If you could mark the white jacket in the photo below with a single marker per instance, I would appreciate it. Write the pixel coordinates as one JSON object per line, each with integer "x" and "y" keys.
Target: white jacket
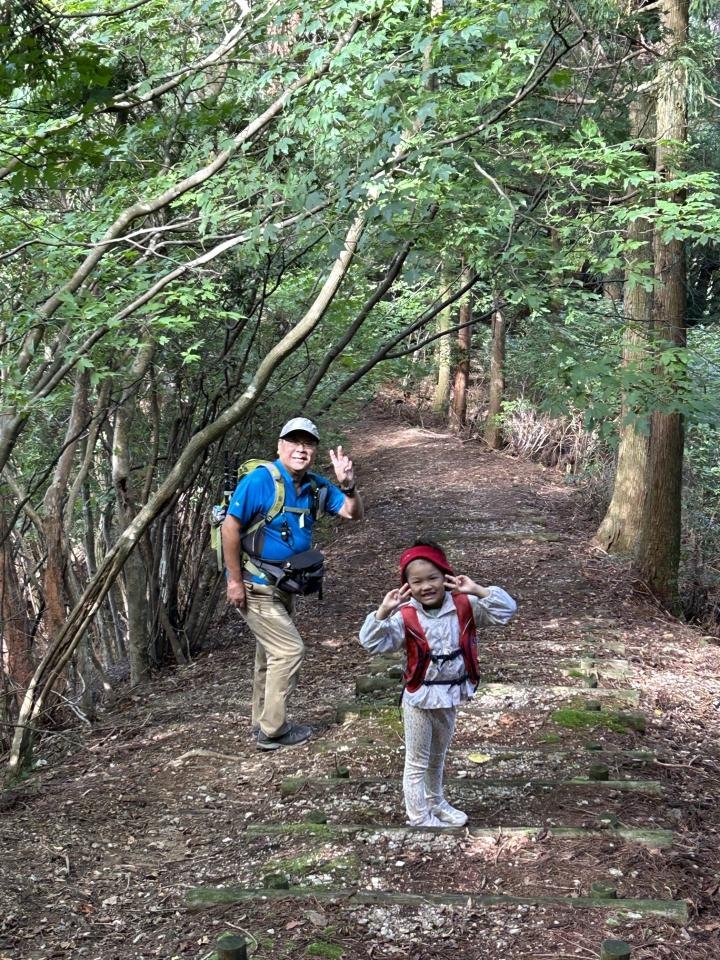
{"x": 442, "y": 629}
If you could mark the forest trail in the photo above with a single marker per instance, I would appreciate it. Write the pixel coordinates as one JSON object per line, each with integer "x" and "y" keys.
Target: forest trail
{"x": 162, "y": 826}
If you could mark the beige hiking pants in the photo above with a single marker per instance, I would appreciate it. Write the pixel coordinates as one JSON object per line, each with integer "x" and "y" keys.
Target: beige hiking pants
{"x": 279, "y": 653}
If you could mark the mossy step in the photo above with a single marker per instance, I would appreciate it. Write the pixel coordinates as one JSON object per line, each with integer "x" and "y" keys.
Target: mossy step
{"x": 344, "y": 708}
{"x": 387, "y": 675}
{"x": 292, "y": 785}
{"x": 491, "y": 753}
{"x": 386, "y": 710}
{"x": 587, "y": 666}
{"x": 657, "y": 839}
{"x": 597, "y": 651}
{"x": 315, "y": 861}
{"x": 202, "y": 897}
{"x": 590, "y": 715}
{"x": 381, "y": 665}
{"x": 376, "y": 683}
{"x": 509, "y": 689}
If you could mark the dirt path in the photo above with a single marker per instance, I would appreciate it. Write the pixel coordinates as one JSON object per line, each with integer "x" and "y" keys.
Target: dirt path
{"x": 117, "y": 845}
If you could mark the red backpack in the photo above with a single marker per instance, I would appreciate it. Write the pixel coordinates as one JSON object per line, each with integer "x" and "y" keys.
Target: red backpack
{"x": 418, "y": 648}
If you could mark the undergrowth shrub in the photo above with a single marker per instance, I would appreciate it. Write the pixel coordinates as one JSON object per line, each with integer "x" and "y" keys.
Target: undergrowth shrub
{"x": 700, "y": 577}
{"x": 561, "y": 442}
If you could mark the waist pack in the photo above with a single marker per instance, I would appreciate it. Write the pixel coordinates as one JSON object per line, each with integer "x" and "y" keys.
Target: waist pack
{"x": 302, "y": 573}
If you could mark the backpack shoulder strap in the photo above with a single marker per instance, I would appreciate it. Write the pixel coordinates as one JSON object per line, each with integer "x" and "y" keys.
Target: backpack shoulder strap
{"x": 465, "y": 614}
{"x": 253, "y": 536}
{"x": 468, "y": 633}
{"x": 319, "y": 491}
{"x": 279, "y": 498}
{"x": 417, "y": 649}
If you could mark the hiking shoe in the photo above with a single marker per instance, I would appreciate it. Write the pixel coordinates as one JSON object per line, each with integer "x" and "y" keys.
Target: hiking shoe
{"x": 450, "y": 816}
{"x": 292, "y": 737}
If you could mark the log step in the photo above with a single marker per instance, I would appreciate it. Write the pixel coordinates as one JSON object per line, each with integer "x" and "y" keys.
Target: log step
{"x": 507, "y": 690}
{"x": 292, "y": 785}
{"x": 589, "y": 749}
{"x": 201, "y": 897}
{"x": 511, "y": 689}
{"x": 656, "y": 839}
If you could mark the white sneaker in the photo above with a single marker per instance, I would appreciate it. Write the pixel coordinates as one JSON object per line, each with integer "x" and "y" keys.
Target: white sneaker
{"x": 429, "y": 821}
{"x": 448, "y": 815}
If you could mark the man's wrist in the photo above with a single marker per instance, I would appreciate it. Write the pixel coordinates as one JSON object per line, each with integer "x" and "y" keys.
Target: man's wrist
{"x": 350, "y": 491}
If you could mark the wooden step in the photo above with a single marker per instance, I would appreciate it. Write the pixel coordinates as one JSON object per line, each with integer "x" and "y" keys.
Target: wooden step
{"x": 346, "y": 708}
{"x": 380, "y": 682}
{"x": 511, "y": 689}
{"x": 585, "y": 753}
{"x": 292, "y": 785}
{"x": 203, "y": 897}
{"x": 656, "y": 839}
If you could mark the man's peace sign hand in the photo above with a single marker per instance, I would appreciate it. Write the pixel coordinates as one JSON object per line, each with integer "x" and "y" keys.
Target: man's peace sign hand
{"x": 343, "y": 467}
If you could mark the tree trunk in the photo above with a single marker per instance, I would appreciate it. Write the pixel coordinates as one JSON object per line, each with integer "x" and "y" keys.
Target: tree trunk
{"x": 91, "y": 566}
{"x": 658, "y": 554}
{"x": 16, "y": 649}
{"x": 57, "y": 601}
{"x": 493, "y": 432}
{"x": 134, "y": 571}
{"x": 619, "y": 531}
{"x": 441, "y": 397}
{"x": 115, "y": 597}
{"x": 462, "y": 368}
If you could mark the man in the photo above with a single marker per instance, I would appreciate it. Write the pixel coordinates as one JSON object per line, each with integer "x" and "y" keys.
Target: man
{"x": 267, "y": 609}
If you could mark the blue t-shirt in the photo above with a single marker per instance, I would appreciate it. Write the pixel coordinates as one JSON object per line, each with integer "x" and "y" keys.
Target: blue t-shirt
{"x": 255, "y": 494}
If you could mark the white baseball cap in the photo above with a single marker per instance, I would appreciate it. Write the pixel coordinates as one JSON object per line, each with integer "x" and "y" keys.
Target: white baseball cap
{"x": 300, "y": 425}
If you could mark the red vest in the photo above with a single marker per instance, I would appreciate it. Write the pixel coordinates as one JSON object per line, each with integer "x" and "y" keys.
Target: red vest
{"x": 418, "y": 648}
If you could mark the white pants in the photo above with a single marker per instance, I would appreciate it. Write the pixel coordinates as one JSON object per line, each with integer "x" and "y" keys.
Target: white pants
{"x": 427, "y": 738}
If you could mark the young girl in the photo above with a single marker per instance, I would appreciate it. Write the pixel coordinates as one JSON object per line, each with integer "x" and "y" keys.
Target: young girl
{"x": 433, "y": 616}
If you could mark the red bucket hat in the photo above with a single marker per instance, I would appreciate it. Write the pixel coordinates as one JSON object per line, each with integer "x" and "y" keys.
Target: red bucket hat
{"x": 422, "y": 552}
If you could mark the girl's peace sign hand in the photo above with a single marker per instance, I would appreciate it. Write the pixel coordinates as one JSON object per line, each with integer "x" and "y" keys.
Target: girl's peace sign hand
{"x": 460, "y": 583}
{"x": 463, "y": 584}
{"x": 392, "y": 601}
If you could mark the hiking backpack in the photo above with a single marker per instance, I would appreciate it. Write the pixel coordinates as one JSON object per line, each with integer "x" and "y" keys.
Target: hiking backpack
{"x": 300, "y": 573}
{"x": 419, "y": 655}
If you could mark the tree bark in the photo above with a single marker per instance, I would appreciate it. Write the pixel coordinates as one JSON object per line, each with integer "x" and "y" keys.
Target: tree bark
{"x": 91, "y": 567}
{"x": 441, "y": 397}
{"x": 135, "y": 573}
{"x": 493, "y": 431}
{"x": 16, "y": 648}
{"x": 619, "y": 531}
{"x": 57, "y": 601}
{"x": 462, "y": 368}
{"x": 657, "y": 559}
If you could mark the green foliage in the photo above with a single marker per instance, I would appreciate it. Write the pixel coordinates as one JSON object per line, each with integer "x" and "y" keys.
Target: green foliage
{"x": 482, "y": 135}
